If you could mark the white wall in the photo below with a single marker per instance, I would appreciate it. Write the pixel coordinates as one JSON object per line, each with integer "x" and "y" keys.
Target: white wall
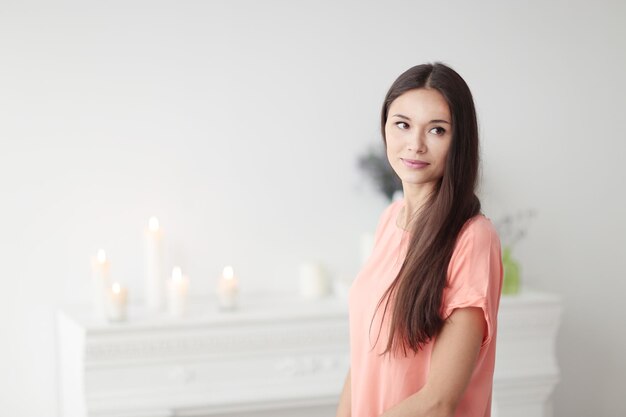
{"x": 239, "y": 124}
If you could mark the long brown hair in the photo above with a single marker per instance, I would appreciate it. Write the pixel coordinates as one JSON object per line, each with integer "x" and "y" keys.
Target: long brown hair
{"x": 417, "y": 291}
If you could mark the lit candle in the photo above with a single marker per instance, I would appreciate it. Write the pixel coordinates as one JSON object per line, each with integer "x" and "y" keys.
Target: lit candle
{"x": 117, "y": 300}
{"x": 228, "y": 289}
{"x": 314, "y": 281}
{"x": 100, "y": 283}
{"x": 154, "y": 278}
{"x": 178, "y": 287}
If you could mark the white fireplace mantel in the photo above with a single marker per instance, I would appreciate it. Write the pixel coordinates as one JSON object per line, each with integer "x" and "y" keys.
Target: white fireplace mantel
{"x": 278, "y": 355}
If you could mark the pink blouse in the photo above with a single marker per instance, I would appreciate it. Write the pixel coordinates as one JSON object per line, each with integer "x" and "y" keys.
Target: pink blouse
{"x": 474, "y": 279}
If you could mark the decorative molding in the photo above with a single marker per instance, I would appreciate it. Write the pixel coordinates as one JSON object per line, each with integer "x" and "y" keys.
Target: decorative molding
{"x": 164, "y": 346}
{"x": 291, "y": 361}
{"x": 308, "y": 365}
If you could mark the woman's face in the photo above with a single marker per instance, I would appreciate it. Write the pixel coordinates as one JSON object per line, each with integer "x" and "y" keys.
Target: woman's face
{"x": 418, "y": 133}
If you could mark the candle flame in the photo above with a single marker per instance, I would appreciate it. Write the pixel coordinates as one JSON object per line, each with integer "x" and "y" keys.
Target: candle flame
{"x": 116, "y": 287}
{"x": 102, "y": 256}
{"x": 177, "y": 273}
{"x": 229, "y": 273}
{"x": 153, "y": 224}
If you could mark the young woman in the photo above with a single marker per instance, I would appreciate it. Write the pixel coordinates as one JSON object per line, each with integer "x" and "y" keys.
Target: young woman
{"x": 423, "y": 309}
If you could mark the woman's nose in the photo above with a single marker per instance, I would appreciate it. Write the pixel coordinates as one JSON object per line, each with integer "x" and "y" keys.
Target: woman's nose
{"x": 418, "y": 143}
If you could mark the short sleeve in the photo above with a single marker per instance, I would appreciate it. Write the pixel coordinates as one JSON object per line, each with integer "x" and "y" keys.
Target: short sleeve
{"x": 475, "y": 272}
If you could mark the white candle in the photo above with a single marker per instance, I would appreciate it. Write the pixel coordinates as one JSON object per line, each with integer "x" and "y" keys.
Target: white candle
{"x": 117, "y": 300}
{"x": 178, "y": 288}
{"x": 228, "y": 289}
{"x": 314, "y": 281}
{"x": 154, "y": 277}
{"x": 100, "y": 267}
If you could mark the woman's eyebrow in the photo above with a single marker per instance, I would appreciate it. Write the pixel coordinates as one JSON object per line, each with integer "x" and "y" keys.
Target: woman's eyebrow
{"x": 432, "y": 121}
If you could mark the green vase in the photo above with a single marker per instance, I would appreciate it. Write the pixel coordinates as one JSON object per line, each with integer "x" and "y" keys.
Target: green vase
{"x": 511, "y": 280}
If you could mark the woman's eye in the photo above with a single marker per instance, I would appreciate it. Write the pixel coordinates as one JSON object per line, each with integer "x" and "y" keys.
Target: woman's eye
{"x": 402, "y": 125}
{"x": 439, "y": 130}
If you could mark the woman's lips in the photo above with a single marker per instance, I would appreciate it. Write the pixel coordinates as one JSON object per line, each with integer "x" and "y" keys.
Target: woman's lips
{"x": 414, "y": 164}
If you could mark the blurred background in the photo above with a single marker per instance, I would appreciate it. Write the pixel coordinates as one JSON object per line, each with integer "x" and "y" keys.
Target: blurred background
{"x": 240, "y": 123}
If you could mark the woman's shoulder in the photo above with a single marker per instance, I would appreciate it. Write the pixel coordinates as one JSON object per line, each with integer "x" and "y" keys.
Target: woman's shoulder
{"x": 477, "y": 247}
{"x": 393, "y": 207}
{"x": 479, "y": 227}
{"x": 387, "y": 218}
{"x": 389, "y": 211}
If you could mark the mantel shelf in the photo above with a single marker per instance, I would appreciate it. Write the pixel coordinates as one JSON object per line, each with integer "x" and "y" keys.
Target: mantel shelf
{"x": 275, "y": 352}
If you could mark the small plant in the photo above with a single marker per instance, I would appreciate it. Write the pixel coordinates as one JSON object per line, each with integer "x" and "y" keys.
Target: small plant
{"x": 512, "y": 229}
{"x": 375, "y": 164}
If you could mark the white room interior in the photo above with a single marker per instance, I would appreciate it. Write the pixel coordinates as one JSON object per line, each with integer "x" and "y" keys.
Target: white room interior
{"x": 239, "y": 124}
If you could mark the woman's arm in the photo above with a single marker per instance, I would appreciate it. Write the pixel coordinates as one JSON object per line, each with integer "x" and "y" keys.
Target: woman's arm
{"x": 344, "y": 409}
{"x": 452, "y": 362}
